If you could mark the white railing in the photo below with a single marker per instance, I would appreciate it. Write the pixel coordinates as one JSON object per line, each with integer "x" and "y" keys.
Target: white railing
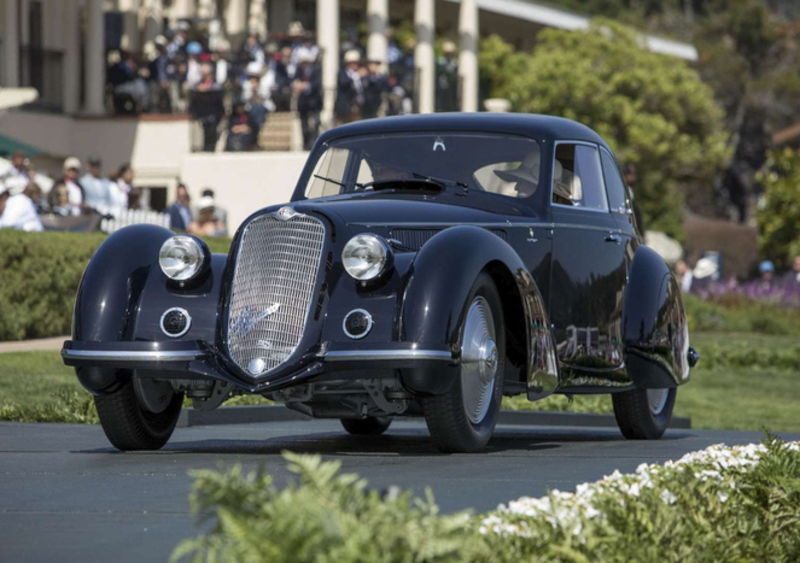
{"x": 134, "y": 217}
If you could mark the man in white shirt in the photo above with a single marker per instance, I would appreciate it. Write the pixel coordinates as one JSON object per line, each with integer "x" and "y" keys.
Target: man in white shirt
{"x": 17, "y": 212}
{"x": 72, "y": 168}
{"x": 96, "y": 187}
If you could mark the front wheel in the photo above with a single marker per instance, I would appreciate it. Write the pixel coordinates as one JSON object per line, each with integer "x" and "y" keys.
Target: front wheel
{"x": 463, "y": 418}
{"x": 140, "y": 419}
{"x": 644, "y": 414}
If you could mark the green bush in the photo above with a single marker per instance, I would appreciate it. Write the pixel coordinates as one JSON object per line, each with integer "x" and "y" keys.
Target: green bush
{"x": 39, "y": 277}
{"x": 779, "y": 216}
{"x": 740, "y": 503}
{"x": 325, "y": 516}
{"x": 735, "y": 313}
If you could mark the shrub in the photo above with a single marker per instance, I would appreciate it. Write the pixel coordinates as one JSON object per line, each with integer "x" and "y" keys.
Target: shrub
{"x": 736, "y": 313}
{"x": 325, "y": 516}
{"x": 721, "y": 503}
{"x": 39, "y": 277}
{"x": 779, "y": 216}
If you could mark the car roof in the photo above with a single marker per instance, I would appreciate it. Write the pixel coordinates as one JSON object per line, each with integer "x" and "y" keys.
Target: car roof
{"x": 530, "y": 125}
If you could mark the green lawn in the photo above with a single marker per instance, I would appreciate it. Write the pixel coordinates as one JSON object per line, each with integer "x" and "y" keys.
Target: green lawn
{"x": 744, "y": 381}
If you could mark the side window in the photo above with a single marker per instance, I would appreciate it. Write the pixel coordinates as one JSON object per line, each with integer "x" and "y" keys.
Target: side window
{"x": 328, "y": 174}
{"x": 577, "y": 177}
{"x": 617, "y": 196}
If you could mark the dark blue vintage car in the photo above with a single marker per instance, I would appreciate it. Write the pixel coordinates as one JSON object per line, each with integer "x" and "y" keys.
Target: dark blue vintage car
{"x": 426, "y": 264}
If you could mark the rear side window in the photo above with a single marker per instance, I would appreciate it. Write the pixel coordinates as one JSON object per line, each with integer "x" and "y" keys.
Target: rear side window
{"x": 617, "y": 198}
{"x": 577, "y": 177}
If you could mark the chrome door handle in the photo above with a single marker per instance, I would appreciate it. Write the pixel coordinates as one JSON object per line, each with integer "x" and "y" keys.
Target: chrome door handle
{"x": 613, "y": 237}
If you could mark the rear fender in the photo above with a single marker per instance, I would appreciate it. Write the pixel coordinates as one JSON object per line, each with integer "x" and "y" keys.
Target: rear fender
{"x": 654, "y": 328}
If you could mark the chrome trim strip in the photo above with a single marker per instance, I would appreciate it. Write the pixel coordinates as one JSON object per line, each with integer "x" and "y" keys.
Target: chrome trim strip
{"x": 132, "y": 355}
{"x": 347, "y": 355}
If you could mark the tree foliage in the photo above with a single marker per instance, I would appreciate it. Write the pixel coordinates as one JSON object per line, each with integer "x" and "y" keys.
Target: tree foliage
{"x": 779, "y": 215}
{"x": 654, "y": 110}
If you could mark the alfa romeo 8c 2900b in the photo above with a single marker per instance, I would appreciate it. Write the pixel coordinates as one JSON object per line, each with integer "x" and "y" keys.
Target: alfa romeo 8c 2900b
{"x": 425, "y": 265}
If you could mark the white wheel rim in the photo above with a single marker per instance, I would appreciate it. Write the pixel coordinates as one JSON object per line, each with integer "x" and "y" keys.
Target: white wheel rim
{"x": 657, "y": 399}
{"x": 478, "y": 360}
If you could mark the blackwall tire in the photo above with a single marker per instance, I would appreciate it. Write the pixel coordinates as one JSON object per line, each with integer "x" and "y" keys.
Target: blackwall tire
{"x": 130, "y": 426}
{"x": 644, "y": 414}
{"x": 370, "y": 426}
{"x": 463, "y": 418}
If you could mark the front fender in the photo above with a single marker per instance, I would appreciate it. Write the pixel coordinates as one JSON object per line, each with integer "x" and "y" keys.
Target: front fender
{"x": 654, "y": 328}
{"x": 123, "y": 294}
{"x": 443, "y": 274}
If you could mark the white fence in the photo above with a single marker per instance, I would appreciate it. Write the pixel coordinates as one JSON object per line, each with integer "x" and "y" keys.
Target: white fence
{"x": 134, "y": 217}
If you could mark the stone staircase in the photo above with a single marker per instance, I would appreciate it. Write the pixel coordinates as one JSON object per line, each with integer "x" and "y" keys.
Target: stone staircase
{"x": 278, "y": 131}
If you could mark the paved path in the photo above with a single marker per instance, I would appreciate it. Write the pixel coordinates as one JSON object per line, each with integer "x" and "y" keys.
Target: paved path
{"x": 66, "y": 495}
{"x": 54, "y": 343}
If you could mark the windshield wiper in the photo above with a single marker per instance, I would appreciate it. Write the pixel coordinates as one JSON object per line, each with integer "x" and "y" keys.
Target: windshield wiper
{"x": 442, "y": 181}
{"x": 418, "y": 180}
{"x": 331, "y": 180}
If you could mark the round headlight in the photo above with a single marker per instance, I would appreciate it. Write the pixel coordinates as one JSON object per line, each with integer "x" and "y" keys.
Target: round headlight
{"x": 366, "y": 256}
{"x": 181, "y": 258}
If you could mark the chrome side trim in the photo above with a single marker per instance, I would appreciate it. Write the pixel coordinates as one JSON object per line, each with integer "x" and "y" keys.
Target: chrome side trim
{"x": 350, "y": 355}
{"x": 132, "y": 355}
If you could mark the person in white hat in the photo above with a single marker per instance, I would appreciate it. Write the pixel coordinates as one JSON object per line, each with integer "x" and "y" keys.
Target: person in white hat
{"x": 349, "y": 89}
{"x": 525, "y": 176}
{"x": 17, "y": 211}
{"x": 72, "y": 169}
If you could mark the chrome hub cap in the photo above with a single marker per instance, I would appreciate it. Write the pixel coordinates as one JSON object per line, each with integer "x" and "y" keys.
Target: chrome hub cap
{"x": 478, "y": 360}
{"x": 657, "y": 398}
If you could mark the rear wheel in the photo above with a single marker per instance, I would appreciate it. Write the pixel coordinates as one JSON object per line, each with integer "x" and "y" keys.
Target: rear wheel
{"x": 463, "y": 418}
{"x": 139, "y": 415}
{"x": 644, "y": 414}
{"x": 372, "y": 425}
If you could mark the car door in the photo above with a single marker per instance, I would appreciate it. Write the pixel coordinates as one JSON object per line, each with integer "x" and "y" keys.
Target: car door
{"x": 588, "y": 267}
{"x": 620, "y": 201}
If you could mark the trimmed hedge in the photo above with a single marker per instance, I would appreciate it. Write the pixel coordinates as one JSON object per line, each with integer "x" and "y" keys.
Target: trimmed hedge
{"x": 39, "y": 277}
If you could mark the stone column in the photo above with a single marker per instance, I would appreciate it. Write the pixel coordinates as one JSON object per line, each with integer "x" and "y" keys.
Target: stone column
{"x": 10, "y": 57}
{"x": 71, "y": 64}
{"x": 377, "y": 44}
{"x": 206, "y": 9}
{"x": 257, "y": 18}
{"x": 153, "y": 18}
{"x": 235, "y": 20}
{"x": 424, "y": 59}
{"x": 181, "y": 9}
{"x": 328, "y": 40}
{"x": 94, "y": 59}
{"x": 468, "y": 54}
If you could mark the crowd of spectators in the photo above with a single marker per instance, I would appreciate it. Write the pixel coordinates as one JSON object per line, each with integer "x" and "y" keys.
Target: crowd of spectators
{"x": 188, "y": 71}
{"x": 88, "y": 195}
{"x": 705, "y": 280}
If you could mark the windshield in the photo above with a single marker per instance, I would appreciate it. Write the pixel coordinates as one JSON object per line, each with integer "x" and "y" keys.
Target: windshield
{"x": 500, "y": 164}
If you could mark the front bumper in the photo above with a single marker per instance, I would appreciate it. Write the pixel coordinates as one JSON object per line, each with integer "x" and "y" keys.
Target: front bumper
{"x": 198, "y": 359}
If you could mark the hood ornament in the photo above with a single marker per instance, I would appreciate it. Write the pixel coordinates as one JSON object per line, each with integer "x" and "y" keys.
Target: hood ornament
{"x": 286, "y": 213}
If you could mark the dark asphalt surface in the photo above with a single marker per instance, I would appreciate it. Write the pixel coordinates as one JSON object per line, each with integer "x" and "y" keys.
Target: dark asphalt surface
{"x": 66, "y": 495}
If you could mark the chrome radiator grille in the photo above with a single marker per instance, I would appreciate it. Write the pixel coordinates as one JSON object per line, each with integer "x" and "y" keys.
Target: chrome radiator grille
{"x": 273, "y": 290}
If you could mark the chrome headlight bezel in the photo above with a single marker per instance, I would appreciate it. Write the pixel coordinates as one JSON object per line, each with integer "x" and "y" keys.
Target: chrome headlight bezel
{"x": 183, "y": 258}
{"x": 367, "y": 257}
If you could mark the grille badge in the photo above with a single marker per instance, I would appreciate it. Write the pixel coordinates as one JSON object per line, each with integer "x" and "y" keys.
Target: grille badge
{"x": 285, "y": 213}
{"x": 248, "y": 318}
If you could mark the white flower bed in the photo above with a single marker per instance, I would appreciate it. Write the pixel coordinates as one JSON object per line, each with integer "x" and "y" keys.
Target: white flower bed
{"x": 718, "y": 466}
